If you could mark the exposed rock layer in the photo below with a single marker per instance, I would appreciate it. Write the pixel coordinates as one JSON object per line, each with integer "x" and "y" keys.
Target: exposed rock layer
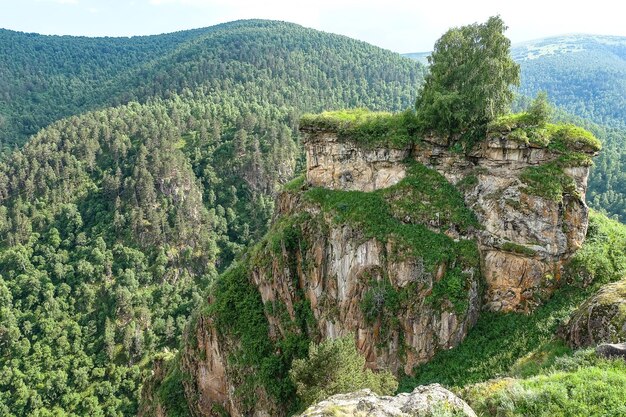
{"x": 332, "y": 270}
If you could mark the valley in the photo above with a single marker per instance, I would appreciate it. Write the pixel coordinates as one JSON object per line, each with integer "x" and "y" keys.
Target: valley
{"x": 184, "y": 217}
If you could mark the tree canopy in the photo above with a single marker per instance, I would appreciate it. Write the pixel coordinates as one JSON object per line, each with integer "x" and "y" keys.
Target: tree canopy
{"x": 470, "y": 79}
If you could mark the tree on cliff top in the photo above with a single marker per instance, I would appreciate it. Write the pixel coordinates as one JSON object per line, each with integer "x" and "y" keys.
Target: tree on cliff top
{"x": 470, "y": 79}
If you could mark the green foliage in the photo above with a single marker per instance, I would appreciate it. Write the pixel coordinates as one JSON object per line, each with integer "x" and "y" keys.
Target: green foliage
{"x": 45, "y": 78}
{"x": 451, "y": 287}
{"x": 113, "y": 222}
{"x": 570, "y": 137}
{"x": 580, "y": 385}
{"x": 374, "y": 213}
{"x": 586, "y": 80}
{"x": 548, "y": 181}
{"x": 540, "y": 111}
{"x": 380, "y": 300}
{"x": 239, "y": 313}
{"x": 573, "y": 143}
{"x": 602, "y": 258}
{"x": 424, "y": 196}
{"x": 333, "y": 367}
{"x": 565, "y": 138}
{"x": 171, "y": 391}
{"x": 295, "y": 184}
{"x": 501, "y": 344}
{"x": 368, "y": 129}
{"x": 515, "y": 248}
{"x": 470, "y": 79}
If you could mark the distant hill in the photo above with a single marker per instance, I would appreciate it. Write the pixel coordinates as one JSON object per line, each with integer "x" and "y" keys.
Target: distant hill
{"x": 583, "y": 74}
{"x": 44, "y": 78}
{"x": 421, "y": 57}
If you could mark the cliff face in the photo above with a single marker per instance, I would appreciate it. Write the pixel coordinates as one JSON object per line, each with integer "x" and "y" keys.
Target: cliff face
{"x": 339, "y": 281}
{"x": 399, "y": 245}
{"x": 526, "y": 236}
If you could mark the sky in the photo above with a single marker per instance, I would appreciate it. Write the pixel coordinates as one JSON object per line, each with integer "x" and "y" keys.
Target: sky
{"x": 402, "y": 26}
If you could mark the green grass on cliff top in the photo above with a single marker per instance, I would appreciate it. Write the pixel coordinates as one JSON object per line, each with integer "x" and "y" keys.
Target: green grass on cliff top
{"x": 401, "y": 130}
{"x": 561, "y": 137}
{"x": 369, "y": 129}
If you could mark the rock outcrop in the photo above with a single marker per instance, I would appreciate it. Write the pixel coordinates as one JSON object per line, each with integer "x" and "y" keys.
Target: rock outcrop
{"x": 526, "y": 237}
{"x": 349, "y": 283}
{"x": 601, "y": 319}
{"x": 377, "y": 242}
{"x": 340, "y": 165}
{"x": 428, "y": 400}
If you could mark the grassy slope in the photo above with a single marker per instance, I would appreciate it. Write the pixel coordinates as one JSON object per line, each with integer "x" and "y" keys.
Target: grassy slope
{"x": 551, "y": 379}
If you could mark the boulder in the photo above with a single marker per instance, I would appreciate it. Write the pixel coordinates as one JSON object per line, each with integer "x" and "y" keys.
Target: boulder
{"x": 426, "y": 400}
{"x": 612, "y": 350}
{"x": 601, "y": 319}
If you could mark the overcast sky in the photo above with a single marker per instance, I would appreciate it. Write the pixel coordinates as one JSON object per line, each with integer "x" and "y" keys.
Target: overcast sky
{"x": 402, "y": 26}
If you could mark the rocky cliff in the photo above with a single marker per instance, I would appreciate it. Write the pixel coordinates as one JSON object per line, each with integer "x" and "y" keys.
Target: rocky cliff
{"x": 399, "y": 241}
{"x": 529, "y": 198}
{"x": 319, "y": 275}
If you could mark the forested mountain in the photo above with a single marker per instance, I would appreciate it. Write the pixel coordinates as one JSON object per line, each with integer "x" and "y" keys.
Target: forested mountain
{"x": 585, "y": 77}
{"x": 44, "y": 78}
{"x": 113, "y": 222}
{"x": 583, "y": 74}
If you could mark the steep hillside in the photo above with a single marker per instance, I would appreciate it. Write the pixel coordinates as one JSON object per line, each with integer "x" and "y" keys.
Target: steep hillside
{"x": 112, "y": 222}
{"x": 44, "y": 78}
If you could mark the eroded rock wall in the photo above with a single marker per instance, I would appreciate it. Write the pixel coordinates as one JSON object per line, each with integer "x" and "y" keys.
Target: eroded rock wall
{"x": 339, "y": 165}
{"x": 331, "y": 270}
{"x": 338, "y": 269}
{"x": 525, "y": 238}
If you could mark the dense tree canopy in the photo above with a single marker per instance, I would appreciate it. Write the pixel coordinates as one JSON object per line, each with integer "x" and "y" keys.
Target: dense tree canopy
{"x": 44, "y": 78}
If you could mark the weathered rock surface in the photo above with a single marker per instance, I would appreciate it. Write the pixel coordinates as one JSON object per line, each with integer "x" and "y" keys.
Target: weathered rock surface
{"x": 601, "y": 319}
{"x": 339, "y": 165}
{"x": 428, "y": 400}
{"x": 612, "y": 350}
{"x": 341, "y": 268}
{"x": 526, "y": 239}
